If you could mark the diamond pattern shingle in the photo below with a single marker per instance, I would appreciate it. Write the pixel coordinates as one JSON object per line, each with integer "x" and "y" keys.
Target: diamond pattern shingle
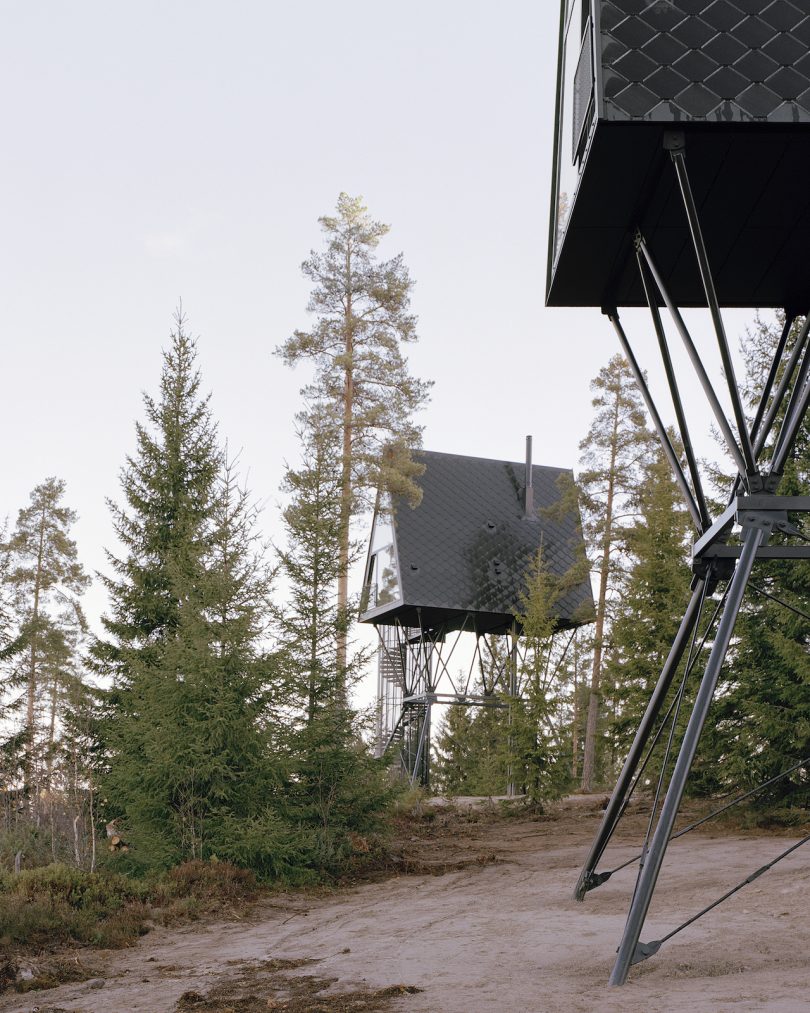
{"x": 724, "y": 49}
{"x": 467, "y": 546}
{"x": 739, "y": 59}
{"x": 693, "y": 32}
{"x": 802, "y": 32}
{"x": 722, "y": 15}
{"x": 756, "y": 66}
{"x": 785, "y": 49}
{"x": 783, "y": 16}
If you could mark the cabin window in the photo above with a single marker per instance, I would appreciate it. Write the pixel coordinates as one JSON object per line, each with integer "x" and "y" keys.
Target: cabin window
{"x": 381, "y": 585}
{"x": 576, "y": 108}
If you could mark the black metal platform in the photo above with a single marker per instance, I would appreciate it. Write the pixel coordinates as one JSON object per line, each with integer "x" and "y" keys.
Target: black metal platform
{"x": 734, "y": 76}
{"x": 751, "y": 187}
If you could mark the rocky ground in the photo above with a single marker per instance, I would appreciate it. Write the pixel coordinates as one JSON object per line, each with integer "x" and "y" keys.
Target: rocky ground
{"x": 480, "y": 917}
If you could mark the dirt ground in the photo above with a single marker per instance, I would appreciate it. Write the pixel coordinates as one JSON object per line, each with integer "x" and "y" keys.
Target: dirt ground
{"x": 482, "y": 918}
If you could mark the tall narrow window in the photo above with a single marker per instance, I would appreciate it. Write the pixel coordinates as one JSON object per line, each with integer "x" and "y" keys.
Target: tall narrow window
{"x": 575, "y": 112}
{"x": 382, "y": 576}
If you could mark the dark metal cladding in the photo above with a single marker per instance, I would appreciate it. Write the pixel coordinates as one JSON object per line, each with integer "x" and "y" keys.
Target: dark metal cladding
{"x": 734, "y": 75}
{"x": 721, "y": 61}
{"x": 465, "y": 550}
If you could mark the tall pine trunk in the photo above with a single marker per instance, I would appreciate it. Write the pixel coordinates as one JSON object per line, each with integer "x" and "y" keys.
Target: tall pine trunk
{"x": 575, "y": 715}
{"x": 589, "y": 750}
{"x": 30, "y": 717}
{"x": 345, "y": 493}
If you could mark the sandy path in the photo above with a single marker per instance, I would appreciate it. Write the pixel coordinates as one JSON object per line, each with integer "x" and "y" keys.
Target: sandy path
{"x": 507, "y": 936}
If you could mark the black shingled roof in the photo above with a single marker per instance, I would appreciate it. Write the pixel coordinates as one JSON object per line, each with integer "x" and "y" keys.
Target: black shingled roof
{"x": 464, "y": 551}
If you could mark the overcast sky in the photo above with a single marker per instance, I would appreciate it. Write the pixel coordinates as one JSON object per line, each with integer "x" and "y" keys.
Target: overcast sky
{"x": 159, "y": 151}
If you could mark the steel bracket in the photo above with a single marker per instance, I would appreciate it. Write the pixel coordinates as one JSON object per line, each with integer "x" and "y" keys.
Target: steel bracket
{"x": 593, "y": 879}
{"x": 763, "y": 510}
{"x": 767, "y": 520}
{"x": 644, "y": 950}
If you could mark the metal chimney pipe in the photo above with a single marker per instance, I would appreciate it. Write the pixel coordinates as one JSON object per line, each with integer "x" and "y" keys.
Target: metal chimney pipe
{"x": 529, "y": 499}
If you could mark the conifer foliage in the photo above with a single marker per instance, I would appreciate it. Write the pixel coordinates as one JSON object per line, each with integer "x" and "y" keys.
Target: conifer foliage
{"x": 653, "y": 594}
{"x": 310, "y": 622}
{"x": 185, "y": 736}
{"x": 44, "y": 581}
{"x": 613, "y": 451}
{"x": 761, "y": 716}
{"x": 364, "y": 391}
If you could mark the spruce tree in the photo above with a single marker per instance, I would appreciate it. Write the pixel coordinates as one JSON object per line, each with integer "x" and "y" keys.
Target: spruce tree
{"x": 310, "y": 622}
{"x": 652, "y": 597}
{"x": 361, "y": 375}
{"x": 538, "y": 729}
{"x": 185, "y": 732}
{"x": 761, "y": 715}
{"x": 451, "y": 768}
{"x": 472, "y": 753}
{"x": 336, "y": 789}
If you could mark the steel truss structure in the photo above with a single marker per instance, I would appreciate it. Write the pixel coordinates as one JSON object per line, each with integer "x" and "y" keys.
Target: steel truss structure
{"x": 760, "y": 453}
{"x": 414, "y": 673}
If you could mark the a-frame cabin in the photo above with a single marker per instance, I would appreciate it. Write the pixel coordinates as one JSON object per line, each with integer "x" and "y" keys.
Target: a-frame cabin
{"x": 458, "y": 562}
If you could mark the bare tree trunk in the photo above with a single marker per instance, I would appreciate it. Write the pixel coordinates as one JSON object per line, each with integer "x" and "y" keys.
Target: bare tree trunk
{"x": 575, "y": 716}
{"x": 51, "y": 735}
{"x": 92, "y": 826}
{"x": 313, "y": 647}
{"x": 76, "y": 852}
{"x": 345, "y": 491}
{"x": 589, "y": 751}
{"x": 32, "y": 662}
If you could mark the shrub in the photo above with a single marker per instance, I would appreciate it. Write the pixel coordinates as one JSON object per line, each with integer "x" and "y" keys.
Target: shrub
{"x": 57, "y": 905}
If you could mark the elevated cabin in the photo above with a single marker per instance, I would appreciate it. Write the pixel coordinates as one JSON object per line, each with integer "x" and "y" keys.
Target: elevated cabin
{"x": 732, "y": 78}
{"x": 459, "y": 559}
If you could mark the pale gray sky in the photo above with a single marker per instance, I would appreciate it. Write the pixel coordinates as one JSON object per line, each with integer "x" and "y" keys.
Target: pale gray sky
{"x": 158, "y": 151}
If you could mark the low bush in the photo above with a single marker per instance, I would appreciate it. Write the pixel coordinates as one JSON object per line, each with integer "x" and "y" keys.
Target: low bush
{"x": 57, "y": 905}
{"x": 195, "y": 888}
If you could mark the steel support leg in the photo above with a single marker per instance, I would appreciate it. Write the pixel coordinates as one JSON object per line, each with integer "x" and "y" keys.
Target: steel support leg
{"x": 629, "y": 950}
{"x": 679, "y": 161}
{"x": 645, "y": 728}
{"x": 796, "y": 411}
{"x": 658, "y": 425}
{"x": 511, "y": 787}
{"x": 697, "y": 362}
{"x": 677, "y": 403}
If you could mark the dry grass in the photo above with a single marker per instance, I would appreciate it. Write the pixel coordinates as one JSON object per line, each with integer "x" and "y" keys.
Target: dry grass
{"x": 46, "y": 912}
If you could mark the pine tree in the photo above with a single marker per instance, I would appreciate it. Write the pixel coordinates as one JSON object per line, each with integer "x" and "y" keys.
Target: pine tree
{"x": 612, "y": 453}
{"x": 361, "y": 379}
{"x": 185, "y": 729}
{"x": 11, "y": 641}
{"x": 47, "y": 581}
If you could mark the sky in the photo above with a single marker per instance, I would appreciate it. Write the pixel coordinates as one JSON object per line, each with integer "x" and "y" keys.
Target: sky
{"x": 158, "y": 152}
